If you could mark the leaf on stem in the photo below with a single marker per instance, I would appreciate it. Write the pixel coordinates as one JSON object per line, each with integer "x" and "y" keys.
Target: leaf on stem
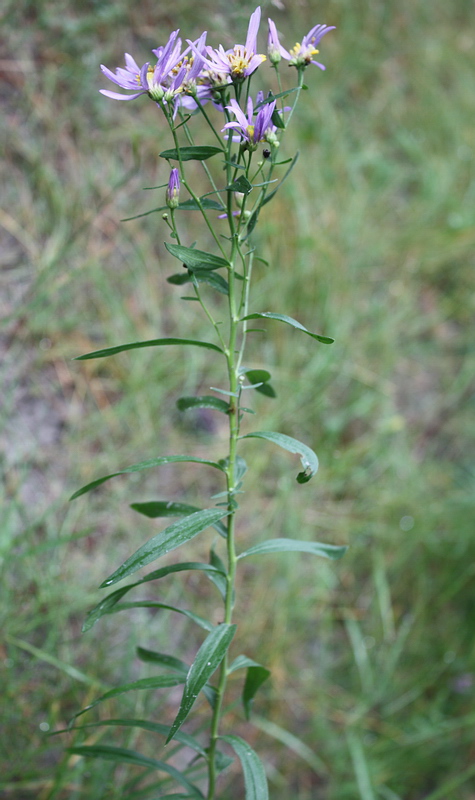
{"x": 165, "y": 508}
{"x": 289, "y": 321}
{"x": 296, "y": 546}
{"x": 192, "y": 153}
{"x": 292, "y": 165}
{"x": 122, "y": 755}
{"x": 260, "y": 376}
{"x": 155, "y": 727}
{"x": 255, "y": 780}
{"x": 241, "y": 184}
{"x": 160, "y": 682}
{"x": 109, "y": 602}
{"x": 212, "y": 279}
{"x": 201, "y": 621}
{"x": 256, "y": 675}
{"x": 152, "y": 657}
{"x": 172, "y": 537}
{"x": 151, "y": 462}
{"x": 307, "y": 456}
{"x": 203, "y": 401}
{"x": 193, "y": 258}
{"x": 208, "y": 659}
{"x": 204, "y": 202}
{"x": 121, "y": 348}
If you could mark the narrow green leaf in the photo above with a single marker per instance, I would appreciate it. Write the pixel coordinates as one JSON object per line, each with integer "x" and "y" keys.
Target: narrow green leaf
{"x": 160, "y": 682}
{"x": 165, "y": 508}
{"x": 255, "y": 677}
{"x": 255, "y": 780}
{"x": 219, "y": 579}
{"x": 195, "y": 153}
{"x": 154, "y": 727}
{"x": 121, "y": 348}
{"x": 292, "y": 165}
{"x": 257, "y": 375}
{"x": 241, "y": 184}
{"x": 172, "y": 537}
{"x": 145, "y": 213}
{"x": 252, "y": 222}
{"x": 120, "y": 754}
{"x": 201, "y": 621}
{"x": 277, "y": 119}
{"x": 152, "y": 657}
{"x": 307, "y": 456}
{"x": 270, "y": 97}
{"x": 151, "y": 462}
{"x": 289, "y": 321}
{"x": 108, "y": 602}
{"x": 260, "y": 376}
{"x": 193, "y": 205}
{"x": 266, "y": 389}
{"x": 207, "y": 660}
{"x": 295, "y": 546}
{"x": 193, "y": 258}
{"x": 212, "y": 279}
{"x": 204, "y": 401}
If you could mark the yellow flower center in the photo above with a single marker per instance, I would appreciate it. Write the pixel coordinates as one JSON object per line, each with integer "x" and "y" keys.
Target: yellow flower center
{"x": 239, "y": 60}
{"x": 250, "y": 131}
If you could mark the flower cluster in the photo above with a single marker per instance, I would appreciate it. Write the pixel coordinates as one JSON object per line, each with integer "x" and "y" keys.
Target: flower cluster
{"x": 192, "y": 76}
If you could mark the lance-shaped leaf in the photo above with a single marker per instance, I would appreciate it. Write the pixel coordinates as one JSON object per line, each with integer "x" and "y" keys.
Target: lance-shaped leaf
{"x": 165, "y": 660}
{"x": 121, "y": 348}
{"x": 121, "y": 755}
{"x": 187, "y": 205}
{"x": 256, "y": 675}
{"x": 212, "y": 279}
{"x": 307, "y": 456}
{"x": 204, "y": 401}
{"x": 255, "y": 781}
{"x": 172, "y": 537}
{"x": 207, "y": 660}
{"x": 160, "y": 682}
{"x": 201, "y": 621}
{"x": 165, "y": 508}
{"x": 179, "y": 666}
{"x": 289, "y": 321}
{"x": 192, "y": 153}
{"x": 241, "y": 184}
{"x": 193, "y": 259}
{"x": 151, "y": 462}
{"x": 105, "y": 606}
{"x": 262, "y": 377}
{"x": 154, "y": 727}
{"x": 292, "y": 165}
{"x": 296, "y": 546}
{"x": 196, "y": 205}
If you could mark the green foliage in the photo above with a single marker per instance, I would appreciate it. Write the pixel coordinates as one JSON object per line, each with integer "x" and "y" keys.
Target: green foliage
{"x": 379, "y": 218}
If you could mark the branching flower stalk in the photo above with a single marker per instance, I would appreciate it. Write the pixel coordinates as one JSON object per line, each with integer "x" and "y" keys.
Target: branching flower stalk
{"x": 215, "y": 84}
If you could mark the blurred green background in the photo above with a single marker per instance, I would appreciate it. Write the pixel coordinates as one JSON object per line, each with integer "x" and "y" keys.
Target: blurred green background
{"x": 371, "y": 241}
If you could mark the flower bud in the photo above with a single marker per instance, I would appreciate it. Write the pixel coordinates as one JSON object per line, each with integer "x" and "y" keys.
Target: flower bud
{"x": 173, "y": 189}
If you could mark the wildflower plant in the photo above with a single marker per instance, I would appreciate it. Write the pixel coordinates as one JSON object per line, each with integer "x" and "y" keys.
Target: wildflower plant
{"x": 246, "y": 129}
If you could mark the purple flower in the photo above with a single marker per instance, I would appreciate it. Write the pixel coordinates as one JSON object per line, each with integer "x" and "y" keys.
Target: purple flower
{"x": 252, "y": 130}
{"x": 301, "y": 55}
{"x": 129, "y": 78}
{"x": 240, "y": 61}
{"x": 275, "y": 51}
{"x": 173, "y": 189}
{"x": 161, "y": 82}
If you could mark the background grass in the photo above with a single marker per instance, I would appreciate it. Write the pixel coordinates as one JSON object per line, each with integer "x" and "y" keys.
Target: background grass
{"x": 372, "y": 242}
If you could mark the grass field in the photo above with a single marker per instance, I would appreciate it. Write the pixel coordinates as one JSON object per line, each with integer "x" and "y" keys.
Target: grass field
{"x": 372, "y": 658}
